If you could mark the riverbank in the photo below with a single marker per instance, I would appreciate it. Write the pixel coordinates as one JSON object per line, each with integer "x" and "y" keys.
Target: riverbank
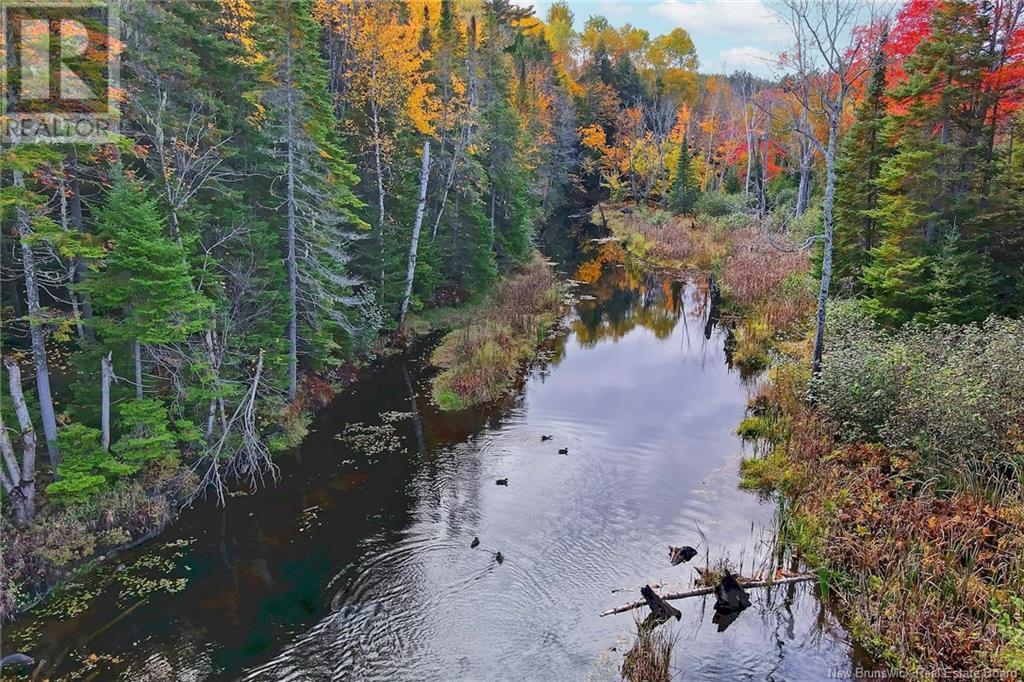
{"x": 65, "y": 542}
{"x": 766, "y": 293}
{"x": 901, "y": 484}
{"x": 490, "y": 340}
{"x": 482, "y": 359}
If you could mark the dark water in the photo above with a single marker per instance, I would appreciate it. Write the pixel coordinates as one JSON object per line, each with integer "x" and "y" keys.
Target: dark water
{"x": 359, "y": 566}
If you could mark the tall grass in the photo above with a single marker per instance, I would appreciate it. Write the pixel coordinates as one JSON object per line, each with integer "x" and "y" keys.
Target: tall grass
{"x": 482, "y": 359}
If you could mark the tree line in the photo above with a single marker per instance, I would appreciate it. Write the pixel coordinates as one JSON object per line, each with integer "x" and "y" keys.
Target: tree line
{"x": 293, "y": 179}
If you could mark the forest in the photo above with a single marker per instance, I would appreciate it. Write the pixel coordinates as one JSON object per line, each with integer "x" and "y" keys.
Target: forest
{"x": 300, "y": 189}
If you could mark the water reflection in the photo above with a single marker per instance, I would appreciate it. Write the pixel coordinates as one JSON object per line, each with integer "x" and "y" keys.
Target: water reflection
{"x": 359, "y": 567}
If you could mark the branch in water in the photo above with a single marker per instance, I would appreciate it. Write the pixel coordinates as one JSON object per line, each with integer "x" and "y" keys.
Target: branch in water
{"x": 701, "y": 591}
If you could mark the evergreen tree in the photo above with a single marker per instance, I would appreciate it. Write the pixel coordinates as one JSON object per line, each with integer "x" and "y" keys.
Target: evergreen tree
{"x": 144, "y": 285}
{"x": 860, "y": 162}
{"x": 683, "y": 192}
{"x": 960, "y": 290}
{"x": 927, "y": 186}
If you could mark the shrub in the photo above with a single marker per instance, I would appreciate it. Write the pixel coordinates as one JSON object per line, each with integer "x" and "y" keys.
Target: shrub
{"x": 86, "y": 468}
{"x": 944, "y": 392}
{"x": 481, "y": 360}
{"x": 717, "y": 204}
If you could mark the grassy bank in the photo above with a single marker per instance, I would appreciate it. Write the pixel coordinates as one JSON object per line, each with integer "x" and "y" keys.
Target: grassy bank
{"x": 901, "y": 486}
{"x": 482, "y": 358}
{"x": 899, "y": 471}
{"x": 767, "y": 297}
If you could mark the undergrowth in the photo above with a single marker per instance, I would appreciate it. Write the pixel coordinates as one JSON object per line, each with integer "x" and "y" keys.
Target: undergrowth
{"x": 482, "y": 359}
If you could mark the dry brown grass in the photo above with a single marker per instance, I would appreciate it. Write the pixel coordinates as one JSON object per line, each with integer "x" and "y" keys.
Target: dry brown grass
{"x": 482, "y": 359}
{"x": 650, "y": 658}
{"x": 918, "y": 572}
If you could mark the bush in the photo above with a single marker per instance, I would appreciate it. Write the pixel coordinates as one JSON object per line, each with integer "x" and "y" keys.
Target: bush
{"x": 716, "y": 204}
{"x": 944, "y": 392}
{"x": 86, "y": 468}
{"x": 481, "y": 361}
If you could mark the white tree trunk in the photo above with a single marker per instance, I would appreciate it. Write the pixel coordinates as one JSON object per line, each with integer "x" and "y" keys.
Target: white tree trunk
{"x": 414, "y": 245}
{"x": 42, "y": 368}
{"x": 22, "y": 485}
{"x": 826, "y": 259}
{"x": 379, "y": 168}
{"x": 293, "y": 311}
{"x": 106, "y": 375}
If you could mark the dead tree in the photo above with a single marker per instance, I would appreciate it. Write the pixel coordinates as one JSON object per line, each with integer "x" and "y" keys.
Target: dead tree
{"x": 826, "y": 70}
{"x": 240, "y": 453}
{"x": 19, "y": 480}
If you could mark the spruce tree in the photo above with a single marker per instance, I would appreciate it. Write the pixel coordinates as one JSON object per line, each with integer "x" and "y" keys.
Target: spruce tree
{"x": 144, "y": 286}
{"x": 927, "y": 185}
{"x": 683, "y": 193}
{"x": 863, "y": 152}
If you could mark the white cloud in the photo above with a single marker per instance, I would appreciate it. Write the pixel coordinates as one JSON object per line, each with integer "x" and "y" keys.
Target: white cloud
{"x": 747, "y": 58}
{"x": 739, "y": 20}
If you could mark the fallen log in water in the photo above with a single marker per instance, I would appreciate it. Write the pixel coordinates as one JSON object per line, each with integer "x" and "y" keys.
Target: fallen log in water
{"x": 700, "y": 591}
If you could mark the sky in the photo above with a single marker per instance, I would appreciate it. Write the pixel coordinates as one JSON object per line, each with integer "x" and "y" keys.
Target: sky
{"x": 728, "y": 34}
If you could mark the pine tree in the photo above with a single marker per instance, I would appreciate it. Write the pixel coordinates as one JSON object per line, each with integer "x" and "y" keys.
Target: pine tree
{"x": 927, "y": 185}
{"x": 317, "y": 182}
{"x": 683, "y": 192}
{"x": 961, "y": 286}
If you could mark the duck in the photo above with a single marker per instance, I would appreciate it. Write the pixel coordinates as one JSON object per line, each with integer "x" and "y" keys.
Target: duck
{"x": 563, "y": 451}
{"x": 544, "y": 438}
{"x": 475, "y": 543}
{"x": 501, "y": 481}
{"x": 499, "y": 558}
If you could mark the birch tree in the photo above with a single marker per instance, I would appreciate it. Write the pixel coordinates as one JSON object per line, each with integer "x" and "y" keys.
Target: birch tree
{"x": 18, "y": 479}
{"x": 826, "y": 71}
{"x": 414, "y": 245}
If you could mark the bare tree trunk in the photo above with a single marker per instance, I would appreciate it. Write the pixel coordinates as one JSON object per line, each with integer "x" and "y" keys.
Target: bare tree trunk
{"x": 803, "y": 196}
{"x": 42, "y": 368}
{"x": 137, "y": 352}
{"x": 73, "y": 267}
{"x": 21, "y": 487}
{"x": 414, "y": 245}
{"x": 106, "y": 374}
{"x": 375, "y": 115}
{"x": 293, "y": 311}
{"x": 75, "y": 216}
{"x": 826, "y": 259}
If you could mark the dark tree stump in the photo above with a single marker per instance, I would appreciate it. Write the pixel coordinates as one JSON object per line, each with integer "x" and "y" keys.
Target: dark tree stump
{"x": 659, "y": 606}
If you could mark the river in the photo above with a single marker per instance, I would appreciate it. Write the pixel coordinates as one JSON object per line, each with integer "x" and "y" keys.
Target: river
{"x": 357, "y": 564}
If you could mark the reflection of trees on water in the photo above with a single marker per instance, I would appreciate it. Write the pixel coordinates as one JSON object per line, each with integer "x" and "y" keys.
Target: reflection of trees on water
{"x": 625, "y": 297}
